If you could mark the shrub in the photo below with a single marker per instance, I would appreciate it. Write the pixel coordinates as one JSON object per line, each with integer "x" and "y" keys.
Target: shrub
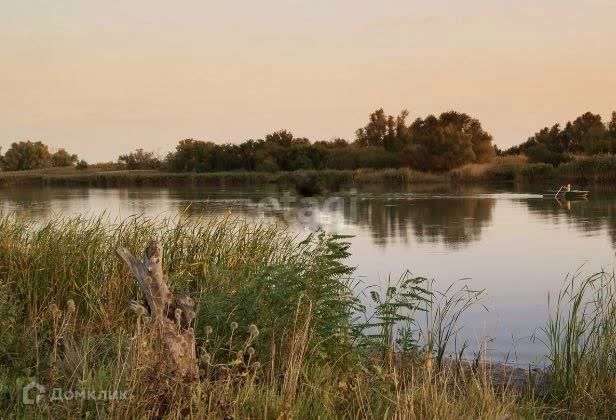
{"x": 535, "y": 172}
{"x": 593, "y": 169}
{"x": 139, "y": 159}
{"x": 82, "y": 165}
{"x": 62, "y": 158}
{"x": 540, "y": 153}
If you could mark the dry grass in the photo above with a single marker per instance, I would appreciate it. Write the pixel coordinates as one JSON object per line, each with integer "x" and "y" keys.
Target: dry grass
{"x": 65, "y": 325}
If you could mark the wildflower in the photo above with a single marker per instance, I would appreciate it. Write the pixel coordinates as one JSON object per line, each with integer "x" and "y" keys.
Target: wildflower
{"x": 178, "y": 315}
{"x": 253, "y": 330}
{"x": 70, "y": 306}
{"x": 250, "y": 351}
{"x": 208, "y": 330}
{"x": 256, "y": 365}
{"x": 234, "y": 325}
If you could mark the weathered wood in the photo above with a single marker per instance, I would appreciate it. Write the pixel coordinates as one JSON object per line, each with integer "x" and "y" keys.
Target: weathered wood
{"x": 170, "y": 315}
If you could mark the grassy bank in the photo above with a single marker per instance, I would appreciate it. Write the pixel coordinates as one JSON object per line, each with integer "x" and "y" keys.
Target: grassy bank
{"x": 598, "y": 170}
{"x": 276, "y": 328}
{"x": 325, "y": 179}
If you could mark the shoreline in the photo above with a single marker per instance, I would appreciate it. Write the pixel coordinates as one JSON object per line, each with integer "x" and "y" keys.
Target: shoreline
{"x": 598, "y": 170}
{"x": 84, "y": 339}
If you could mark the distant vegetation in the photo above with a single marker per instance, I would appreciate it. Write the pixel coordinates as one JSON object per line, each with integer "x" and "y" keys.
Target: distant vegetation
{"x": 26, "y": 155}
{"x": 450, "y": 147}
{"x": 431, "y": 144}
{"x": 139, "y": 159}
{"x": 586, "y": 135}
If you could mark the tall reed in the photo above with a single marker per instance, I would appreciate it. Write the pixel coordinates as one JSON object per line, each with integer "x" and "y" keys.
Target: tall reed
{"x": 581, "y": 339}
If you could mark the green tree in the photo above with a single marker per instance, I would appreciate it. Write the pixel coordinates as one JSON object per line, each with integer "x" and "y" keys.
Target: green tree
{"x": 373, "y": 134}
{"x": 139, "y": 159}
{"x": 589, "y": 133}
{"x": 62, "y": 158}
{"x": 82, "y": 165}
{"x": 465, "y": 126}
{"x": 541, "y": 153}
{"x": 384, "y": 131}
{"x": 26, "y": 155}
{"x": 586, "y": 134}
{"x": 612, "y": 125}
{"x": 438, "y": 146}
{"x": 385, "y": 141}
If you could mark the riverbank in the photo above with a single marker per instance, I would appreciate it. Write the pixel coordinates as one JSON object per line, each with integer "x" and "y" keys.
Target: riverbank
{"x": 65, "y": 324}
{"x": 597, "y": 170}
{"x": 118, "y": 178}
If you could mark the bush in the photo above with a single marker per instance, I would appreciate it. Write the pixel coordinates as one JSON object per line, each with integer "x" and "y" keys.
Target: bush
{"x": 139, "y": 159}
{"x": 540, "y": 153}
{"x": 82, "y": 165}
{"x": 595, "y": 169}
{"x": 62, "y": 159}
{"x": 536, "y": 172}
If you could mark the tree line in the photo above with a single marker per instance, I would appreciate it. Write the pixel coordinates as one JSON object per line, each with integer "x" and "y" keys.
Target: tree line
{"x": 434, "y": 143}
{"x": 586, "y": 135}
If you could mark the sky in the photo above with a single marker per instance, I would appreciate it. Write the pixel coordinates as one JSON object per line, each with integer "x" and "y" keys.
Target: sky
{"x": 103, "y": 78}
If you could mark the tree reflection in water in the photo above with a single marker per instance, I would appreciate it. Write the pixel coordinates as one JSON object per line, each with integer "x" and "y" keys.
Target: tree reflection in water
{"x": 593, "y": 215}
{"x": 454, "y": 221}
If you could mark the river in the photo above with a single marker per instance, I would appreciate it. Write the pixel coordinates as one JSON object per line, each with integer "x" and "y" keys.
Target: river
{"x": 514, "y": 244}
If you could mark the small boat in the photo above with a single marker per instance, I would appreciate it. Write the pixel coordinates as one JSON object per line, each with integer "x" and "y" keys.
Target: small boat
{"x": 567, "y": 195}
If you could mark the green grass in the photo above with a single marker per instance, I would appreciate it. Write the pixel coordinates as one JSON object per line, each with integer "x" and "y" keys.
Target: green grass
{"x": 65, "y": 324}
{"x": 581, "y": 338}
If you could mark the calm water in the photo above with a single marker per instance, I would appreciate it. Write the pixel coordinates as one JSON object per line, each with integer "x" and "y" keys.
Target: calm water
{"x": 514, "y": 244}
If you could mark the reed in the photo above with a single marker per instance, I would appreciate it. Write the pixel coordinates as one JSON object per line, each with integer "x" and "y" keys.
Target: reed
{"x": 599, "y": 169}
{"x": 581, "y": 338}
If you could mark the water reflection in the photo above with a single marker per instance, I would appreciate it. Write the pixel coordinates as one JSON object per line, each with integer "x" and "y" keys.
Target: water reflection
{"x": 454, "y": 219}
{"x": 516, "y": 246}
{"x": 455, "y": 222}
{"x": 588, "y": 216}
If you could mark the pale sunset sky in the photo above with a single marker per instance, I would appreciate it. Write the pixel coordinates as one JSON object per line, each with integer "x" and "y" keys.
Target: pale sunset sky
{"x": 103, "y": 78}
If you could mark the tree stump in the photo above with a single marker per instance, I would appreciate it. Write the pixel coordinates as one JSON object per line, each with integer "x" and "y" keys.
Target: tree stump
{"x": 170, "y": 315}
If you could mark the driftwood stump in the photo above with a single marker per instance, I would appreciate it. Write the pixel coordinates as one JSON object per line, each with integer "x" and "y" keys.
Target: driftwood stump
{"x": 170, "y": 315}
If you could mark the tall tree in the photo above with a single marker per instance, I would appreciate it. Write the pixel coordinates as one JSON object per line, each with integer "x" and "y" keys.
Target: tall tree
{"x": 436, "y": 146}
{"x": 466, "y": 126}
{"x": 384, "y": 131}
{"x": 586, "y": 134}
{"x": 26, "y": 155}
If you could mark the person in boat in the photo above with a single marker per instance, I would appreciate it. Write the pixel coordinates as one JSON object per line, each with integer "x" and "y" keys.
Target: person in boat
{"x": 566, "y": 188}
